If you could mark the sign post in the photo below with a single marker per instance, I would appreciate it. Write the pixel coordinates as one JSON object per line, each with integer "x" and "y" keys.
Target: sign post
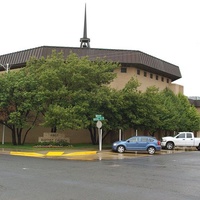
{"x": 98, "y": 118}
{"x": 99, "y": 125}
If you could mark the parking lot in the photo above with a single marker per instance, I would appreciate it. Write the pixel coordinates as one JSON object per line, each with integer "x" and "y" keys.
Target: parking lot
{"x": 167, "y": 175}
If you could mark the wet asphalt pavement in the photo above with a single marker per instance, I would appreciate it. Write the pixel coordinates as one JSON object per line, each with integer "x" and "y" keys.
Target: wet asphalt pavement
{"x": 168, "y": 176}
{"x": 84, "y": 154}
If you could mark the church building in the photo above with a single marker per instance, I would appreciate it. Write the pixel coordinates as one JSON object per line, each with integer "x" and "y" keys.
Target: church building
{"x": 149, "y": 70}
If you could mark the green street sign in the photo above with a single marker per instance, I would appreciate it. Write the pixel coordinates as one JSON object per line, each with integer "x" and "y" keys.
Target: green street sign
{"x": 101, "y": 118}
{"x": 98, "y": 118}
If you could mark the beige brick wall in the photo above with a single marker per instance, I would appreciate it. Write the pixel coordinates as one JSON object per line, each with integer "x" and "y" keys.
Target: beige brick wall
{"x": 145, "y": 81}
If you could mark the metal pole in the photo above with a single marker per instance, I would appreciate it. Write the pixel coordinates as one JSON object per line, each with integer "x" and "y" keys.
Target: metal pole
{"x": 120, "y": 134}
{"x": 100, "y": 139}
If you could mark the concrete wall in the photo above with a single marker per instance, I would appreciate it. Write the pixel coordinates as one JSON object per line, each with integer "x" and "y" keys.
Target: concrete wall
{"x": 75, "y": 136}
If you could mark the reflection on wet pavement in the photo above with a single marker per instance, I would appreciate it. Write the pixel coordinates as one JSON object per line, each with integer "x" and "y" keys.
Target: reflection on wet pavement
{"x": 94, "y": 155}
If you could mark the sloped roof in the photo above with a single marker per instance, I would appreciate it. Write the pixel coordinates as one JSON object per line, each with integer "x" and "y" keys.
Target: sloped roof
{"x": 125, "y": 57}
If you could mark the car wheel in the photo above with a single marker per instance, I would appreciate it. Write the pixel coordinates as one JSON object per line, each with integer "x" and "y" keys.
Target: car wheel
{"x": 120, "y": 149}
{"x": 170, "y": 145}
{"x": 151, "y": 150}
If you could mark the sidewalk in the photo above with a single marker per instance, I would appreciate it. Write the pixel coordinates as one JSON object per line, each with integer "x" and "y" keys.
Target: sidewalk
{"x": 74, "y": 154}
{"x": 82, "y": 154}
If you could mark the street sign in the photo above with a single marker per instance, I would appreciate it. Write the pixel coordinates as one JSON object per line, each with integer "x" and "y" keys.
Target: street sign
{"x": 98, "y": 118}
{"x": 101, "y": 118}
{"x": 99, "y": 124}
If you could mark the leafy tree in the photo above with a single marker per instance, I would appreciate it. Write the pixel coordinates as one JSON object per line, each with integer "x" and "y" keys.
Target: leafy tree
{"x": 130, "y": 104}
{"x": 149, "y": 110}
{"x": 107, "y": 103}
{"x": 169, "y": 117}
{"x": 69, "y": 88}
{"x": 189, "y": 118}
{"x": 18, "y": 104}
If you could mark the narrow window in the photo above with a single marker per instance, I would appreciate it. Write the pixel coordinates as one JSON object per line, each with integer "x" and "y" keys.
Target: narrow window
{"x": 167, "y": 80}
{"x": 162, "y": 79}
{"x": 123, "y": 69}
{"x": 156, "y": 77}
{"x": 145, "y": 74}
{"x": 151, "y": 75}
{"x": 138, "y": 72}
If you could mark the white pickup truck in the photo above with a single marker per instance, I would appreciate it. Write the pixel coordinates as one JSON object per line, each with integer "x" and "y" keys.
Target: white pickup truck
{"x": 183, "y": 139}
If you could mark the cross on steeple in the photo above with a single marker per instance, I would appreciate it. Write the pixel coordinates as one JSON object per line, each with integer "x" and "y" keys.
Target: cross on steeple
{"x": 85, "y": 42}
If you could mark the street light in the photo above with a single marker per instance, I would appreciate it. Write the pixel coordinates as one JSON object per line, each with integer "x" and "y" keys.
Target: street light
{"x": 3, "y": 133}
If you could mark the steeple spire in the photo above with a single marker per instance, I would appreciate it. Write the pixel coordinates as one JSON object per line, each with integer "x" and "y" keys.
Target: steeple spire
{"x": 85, "y": 42}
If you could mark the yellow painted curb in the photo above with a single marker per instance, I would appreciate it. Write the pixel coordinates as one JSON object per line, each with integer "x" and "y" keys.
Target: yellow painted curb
{"x": 51, "y": 153}
{"x": 31, "y": 154}
{"x": 81, "y": 153}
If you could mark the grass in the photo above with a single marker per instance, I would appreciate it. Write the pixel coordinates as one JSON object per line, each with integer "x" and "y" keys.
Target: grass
{"x": 31, "y": 147}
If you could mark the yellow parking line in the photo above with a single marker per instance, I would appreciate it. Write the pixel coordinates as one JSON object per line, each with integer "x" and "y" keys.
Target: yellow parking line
{"x": 51, "y": 153}
{"x": 31, "y": 154}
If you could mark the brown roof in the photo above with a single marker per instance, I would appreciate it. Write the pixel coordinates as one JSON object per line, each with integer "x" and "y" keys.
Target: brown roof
{"x": 125, "y": 57}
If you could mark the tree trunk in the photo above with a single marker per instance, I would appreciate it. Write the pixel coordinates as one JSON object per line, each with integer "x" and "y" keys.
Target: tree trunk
{"x": 93, "y": 135}
{"x": 14, "y": 141}
{"x": 19, "y": 136}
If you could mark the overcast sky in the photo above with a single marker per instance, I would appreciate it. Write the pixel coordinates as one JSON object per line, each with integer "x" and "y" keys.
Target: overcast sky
{"x": 166, "y": 29}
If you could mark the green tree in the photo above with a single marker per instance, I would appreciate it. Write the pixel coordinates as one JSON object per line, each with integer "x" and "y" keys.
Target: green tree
{"x": 18, "y": 104}
{"x": 106, "y": 102}
{"x": 70, "y": 88}
{"x": 189, "y": 118}
{"x": 169, "y": 116}
{"x": 149, "y": 110}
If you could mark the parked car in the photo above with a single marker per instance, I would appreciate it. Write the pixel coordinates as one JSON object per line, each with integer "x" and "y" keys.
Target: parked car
{"x": 182, "y": 139}
{"x": 138, "y": 143}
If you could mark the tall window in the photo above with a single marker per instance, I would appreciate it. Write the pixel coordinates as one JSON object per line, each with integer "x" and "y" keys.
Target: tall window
{"x": 151, "y": 75}
{"x": 138, "y": 72}
{"x": 157, "y": 77}
{"x": 145, "y": 74}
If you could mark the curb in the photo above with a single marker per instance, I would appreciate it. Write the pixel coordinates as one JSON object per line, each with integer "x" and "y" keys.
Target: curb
{"x": 52, "y": 154}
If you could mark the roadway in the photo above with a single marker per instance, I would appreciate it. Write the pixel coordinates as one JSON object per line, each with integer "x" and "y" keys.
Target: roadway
{"x": 167, "y": 176}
